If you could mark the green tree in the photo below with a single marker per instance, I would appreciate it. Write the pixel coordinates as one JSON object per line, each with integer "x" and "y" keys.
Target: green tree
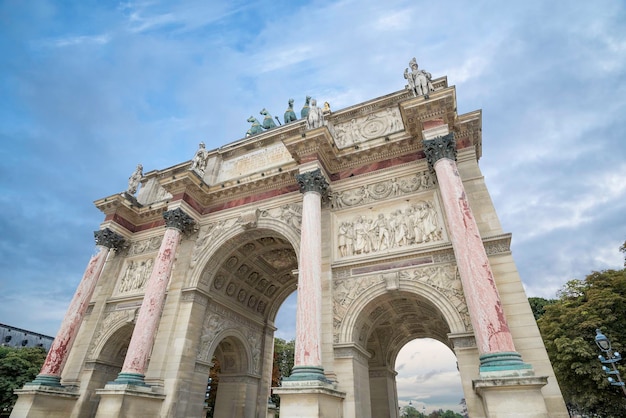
{"x": 568, "y": 329}
{"x": 409, "y": 411}
{"x": 17, "y": 366}
{"x": 283, "y": 363}
{"x": 538, "y": 306}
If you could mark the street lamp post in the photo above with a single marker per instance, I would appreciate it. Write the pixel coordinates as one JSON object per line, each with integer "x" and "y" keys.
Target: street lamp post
{"x": 611, "y": 358}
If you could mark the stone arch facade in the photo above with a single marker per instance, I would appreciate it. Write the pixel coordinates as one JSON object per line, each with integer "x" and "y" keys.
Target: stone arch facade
{"x": 377, "y": 213}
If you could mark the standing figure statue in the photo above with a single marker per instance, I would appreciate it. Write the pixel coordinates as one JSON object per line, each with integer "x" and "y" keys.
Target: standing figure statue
{"x": 290, "y": 115}
{"x": 316, "y": 117}
{"x": 419, "y": 80}
{"x": 268, "y": 122}
{"x": 200, "y": 160}
{"x": 134, "y": 179}
{"x": 304, "y": 113}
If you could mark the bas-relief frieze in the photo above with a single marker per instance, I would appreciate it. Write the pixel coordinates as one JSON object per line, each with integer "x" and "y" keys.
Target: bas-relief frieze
{"x": 386, "y": 189}
{"x": 443, "y": 278}
{"x": 376, "y": 125}
{"x": 219, "y": 319}
{"x": 389, "y": 229}
{"x": 135, "y": 275}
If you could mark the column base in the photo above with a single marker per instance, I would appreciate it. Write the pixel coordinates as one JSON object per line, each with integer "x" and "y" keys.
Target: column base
{"x": 46, "y": 380}
{"x": 512, "y": 397}
{"x": 129, "y": 401}
{"x": 309, "y": 399}
{"x": 135, "y": 379}
{"x": 44, "y": 401}
{"x": 307, "y": 373}
{"x": 504, "y": 364}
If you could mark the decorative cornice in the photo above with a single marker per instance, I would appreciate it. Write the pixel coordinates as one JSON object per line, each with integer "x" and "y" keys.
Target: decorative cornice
{"x": 313, "y": 181}
{"x": 178, "y": 219}
{"x": 440, "y": 147}
{"x": 109, "y": 239}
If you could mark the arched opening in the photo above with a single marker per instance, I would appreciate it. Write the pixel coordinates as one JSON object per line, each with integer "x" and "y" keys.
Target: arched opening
{"x": 428, "y": 378}
{"x": 107, "y": 365}
{"x": 384, "y": 326}
{"x": 249, "y": 279}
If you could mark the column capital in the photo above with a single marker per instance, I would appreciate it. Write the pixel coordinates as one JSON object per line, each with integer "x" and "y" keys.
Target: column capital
{"x": 109, "y": 239}
{"x": 440, "y": 147}
{"x": 178, "y": 219}
{"x": 313, "y": 181}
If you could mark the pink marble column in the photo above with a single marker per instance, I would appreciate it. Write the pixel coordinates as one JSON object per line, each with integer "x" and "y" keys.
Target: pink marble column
{"x": 50, "y": 374}
{"x": 308, "y": 352}
{"x": 140, "y": 346}
{"x": 493, "y": 337}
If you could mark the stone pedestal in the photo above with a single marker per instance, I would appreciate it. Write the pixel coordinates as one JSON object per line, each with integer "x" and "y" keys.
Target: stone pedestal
{"x": 45, "y": 401}
{"x": 512, "y": 397}
{"x": 130, "y": 401}
{"x": 309, "y": 399}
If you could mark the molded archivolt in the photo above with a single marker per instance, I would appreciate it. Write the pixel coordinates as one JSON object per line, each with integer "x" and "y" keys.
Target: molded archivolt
{"x": 232, "y": 351}
{"x": 250, "y": 267}
{"x": 112, "y": 332}
{"x": 394, "y": 312}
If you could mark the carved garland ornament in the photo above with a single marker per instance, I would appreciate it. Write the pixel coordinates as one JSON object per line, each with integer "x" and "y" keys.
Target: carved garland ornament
{"x": 395, "y": 187}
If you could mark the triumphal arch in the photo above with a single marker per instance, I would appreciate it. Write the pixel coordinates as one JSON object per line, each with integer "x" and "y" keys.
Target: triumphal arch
{"x": 377, "y": 214}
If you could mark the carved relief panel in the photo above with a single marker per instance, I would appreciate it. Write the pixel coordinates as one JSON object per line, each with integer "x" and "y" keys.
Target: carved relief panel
{"x": 134, "y": 275}
{"x": 391, "y": 228}
{"x": 375, "y": 125}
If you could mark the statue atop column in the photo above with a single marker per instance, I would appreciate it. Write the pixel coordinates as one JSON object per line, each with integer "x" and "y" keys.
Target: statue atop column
{"x": 315, "y": 119}
{"x": 134, "y": 179}
{"x": 419, "y": 80}
{"x": 200, "y": 160}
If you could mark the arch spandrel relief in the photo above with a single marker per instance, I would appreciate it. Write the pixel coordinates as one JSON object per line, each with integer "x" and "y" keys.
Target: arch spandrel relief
{"x": 220, "y": 323}
{"x": 347, "y": 292}
{"x": 112, "y": 321}
{"x": 389, "y": 229}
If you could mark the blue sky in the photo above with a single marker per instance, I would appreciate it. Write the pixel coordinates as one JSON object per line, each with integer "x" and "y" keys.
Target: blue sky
{"x": 91, "y": 88}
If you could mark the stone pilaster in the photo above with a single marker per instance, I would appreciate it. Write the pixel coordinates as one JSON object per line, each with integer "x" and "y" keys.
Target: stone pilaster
{"x": 136, "y": 361}
{"x": 50, "y": 374}
{"x": 493, "y": 337}
{"x": 308, "y": 352}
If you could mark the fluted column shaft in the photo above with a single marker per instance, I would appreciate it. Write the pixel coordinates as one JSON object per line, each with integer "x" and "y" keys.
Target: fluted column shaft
{"x": 308, "y": 351}
{"x": 493, "y": 337}
{"x": 140, "y": 347}
{"x": 50, "y": 374}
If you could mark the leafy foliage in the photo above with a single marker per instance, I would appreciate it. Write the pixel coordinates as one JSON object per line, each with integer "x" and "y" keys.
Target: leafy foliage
{"x": 283, "y": 363}
{"x": 568, "y": 329}
{"x": 538, "y": 306}
{"x": 17, "y": 366}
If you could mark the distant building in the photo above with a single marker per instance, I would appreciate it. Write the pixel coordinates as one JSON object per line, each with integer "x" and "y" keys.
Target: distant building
{"x": 18, "y": 337}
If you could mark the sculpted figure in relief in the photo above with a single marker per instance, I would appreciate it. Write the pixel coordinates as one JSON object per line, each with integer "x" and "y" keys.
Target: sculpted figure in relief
{"x": 134, "y": 179}
{"x": 200, "y": 160}
{"x": 419, "y": 80}
{"x": 414, "y": 225}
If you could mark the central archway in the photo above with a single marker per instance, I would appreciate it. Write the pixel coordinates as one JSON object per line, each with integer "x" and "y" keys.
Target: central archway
{"x": 248, "y": 278}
